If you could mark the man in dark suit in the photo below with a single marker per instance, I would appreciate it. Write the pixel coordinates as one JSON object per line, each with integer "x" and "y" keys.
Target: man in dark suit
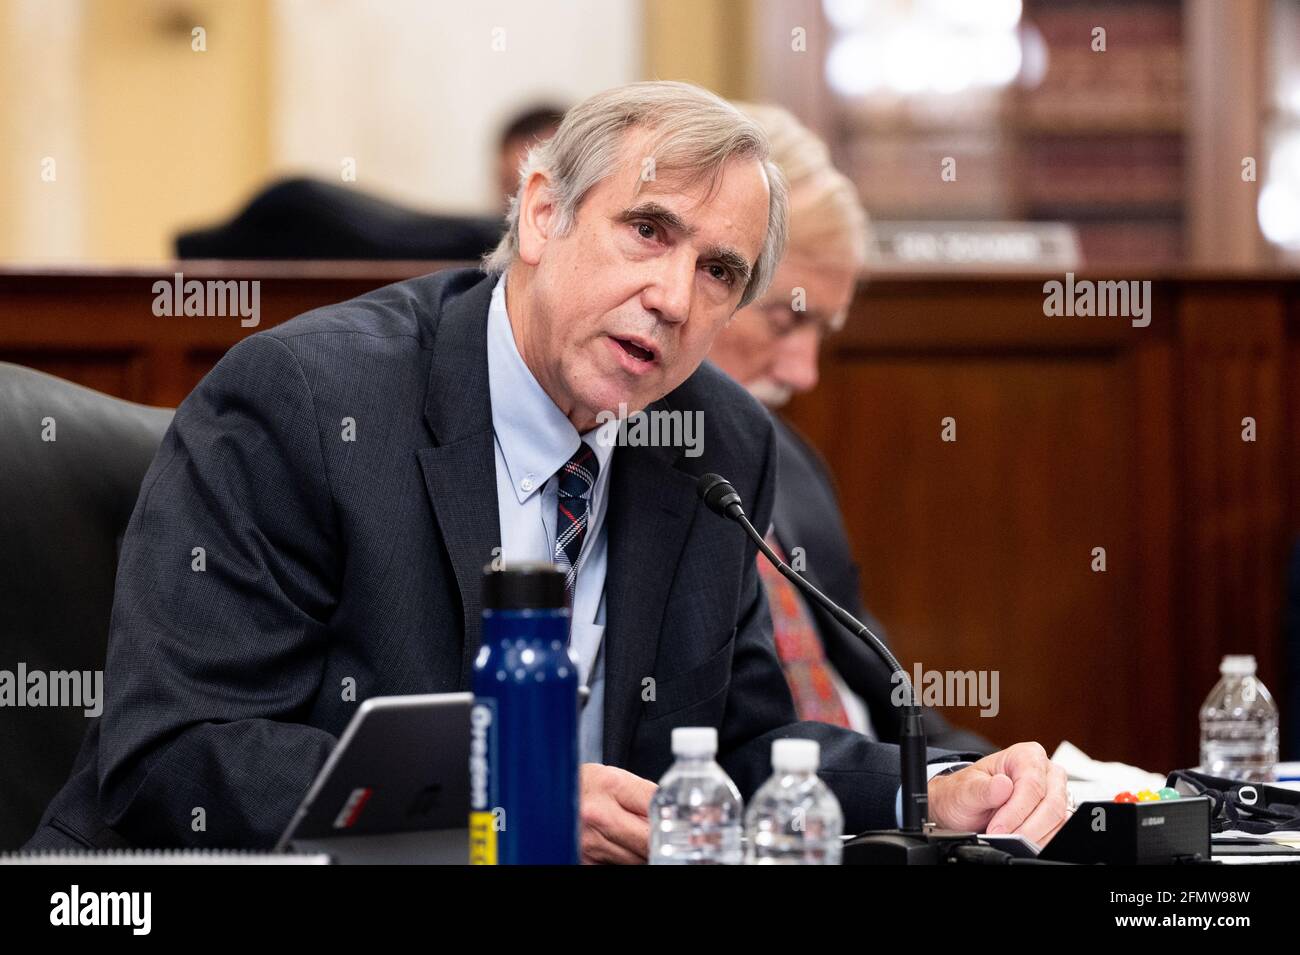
{"x": 313, "y": 529}
{"x": 771, "y": 347}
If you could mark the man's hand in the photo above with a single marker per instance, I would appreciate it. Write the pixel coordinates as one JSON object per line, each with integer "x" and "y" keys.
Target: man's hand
{"x": 614, "y": 812}
{"x": 1013, "y": 790}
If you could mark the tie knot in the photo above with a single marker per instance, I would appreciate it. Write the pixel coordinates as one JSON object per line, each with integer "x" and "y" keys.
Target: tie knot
{"x": 578, "y": 474}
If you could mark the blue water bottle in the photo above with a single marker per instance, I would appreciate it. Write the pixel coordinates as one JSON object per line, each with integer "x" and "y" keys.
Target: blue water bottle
{"x": 524, "y": 724}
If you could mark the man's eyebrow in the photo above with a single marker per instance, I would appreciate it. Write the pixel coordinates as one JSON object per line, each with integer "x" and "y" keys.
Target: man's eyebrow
{"x": 672, "y": 221}
{"x": 657, "y": 213}
{"x": 732, "y": 260}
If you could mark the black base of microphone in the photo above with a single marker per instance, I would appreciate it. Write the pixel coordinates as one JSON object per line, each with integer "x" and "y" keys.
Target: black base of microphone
{"x": 898, "y": 847}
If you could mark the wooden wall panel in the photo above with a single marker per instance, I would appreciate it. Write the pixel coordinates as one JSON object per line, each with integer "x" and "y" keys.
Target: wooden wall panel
{"x": 121, "y": 373}
{"x": 1234, "y": 541}
{"x": 976, "y": 554}
{"x": 98, "y": 328}
{"x": 1073, "y": 433}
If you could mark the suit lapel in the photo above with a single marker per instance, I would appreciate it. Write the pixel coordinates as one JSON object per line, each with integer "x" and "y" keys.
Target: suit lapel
{"x": 651, "y": 509}
{"x": 460, "y": 470}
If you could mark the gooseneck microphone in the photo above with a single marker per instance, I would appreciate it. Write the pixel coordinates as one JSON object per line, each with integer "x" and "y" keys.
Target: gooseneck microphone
{"x": 721, "y": 498}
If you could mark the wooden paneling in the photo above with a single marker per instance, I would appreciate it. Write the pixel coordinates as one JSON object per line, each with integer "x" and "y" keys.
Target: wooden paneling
{"x": 1228, "y": 57}
{"x": 1072, "y": 433}
{"x": 1233, "y": 543}
{"x": 976, "y": 552}
{"x": 115, "y": 373}
{"x": 98, "y": 328}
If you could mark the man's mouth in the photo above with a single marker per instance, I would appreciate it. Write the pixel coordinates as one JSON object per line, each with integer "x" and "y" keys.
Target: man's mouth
{"x": 637, "y": 351}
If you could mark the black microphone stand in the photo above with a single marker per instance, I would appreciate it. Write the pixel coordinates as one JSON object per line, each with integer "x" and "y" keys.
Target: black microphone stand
{"x": 918, "y": 842}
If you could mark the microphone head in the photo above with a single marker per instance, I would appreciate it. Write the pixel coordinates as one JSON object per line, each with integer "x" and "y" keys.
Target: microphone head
{"x": 718, "y": 495}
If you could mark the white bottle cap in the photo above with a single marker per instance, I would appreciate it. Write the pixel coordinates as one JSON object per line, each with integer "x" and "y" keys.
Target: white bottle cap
{"x": 695, "y": 741}
{"x": 796, "y": 755}
{"x": 1238, "y": 665}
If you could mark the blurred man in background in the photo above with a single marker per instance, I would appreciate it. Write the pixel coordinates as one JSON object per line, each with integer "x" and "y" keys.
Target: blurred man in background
{"x": 521, "y": 134}
{"x": 771, "y": 347}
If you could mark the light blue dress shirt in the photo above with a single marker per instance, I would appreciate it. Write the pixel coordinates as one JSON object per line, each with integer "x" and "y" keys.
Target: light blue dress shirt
{"x": 533, "y": 439}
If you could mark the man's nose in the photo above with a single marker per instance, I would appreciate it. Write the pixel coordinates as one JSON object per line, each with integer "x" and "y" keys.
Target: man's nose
{"x": 796, "y": 360}
{"x": 669, "y": 295}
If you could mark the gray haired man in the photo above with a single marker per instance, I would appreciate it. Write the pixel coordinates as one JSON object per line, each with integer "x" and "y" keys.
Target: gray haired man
{"x": 651, "y": 216}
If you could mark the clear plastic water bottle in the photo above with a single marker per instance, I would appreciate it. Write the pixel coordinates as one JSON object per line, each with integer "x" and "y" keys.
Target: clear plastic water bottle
{"x": 794, "y": 818}
{"x": 695, "y": 815}
{"x": 1239, "y": 725}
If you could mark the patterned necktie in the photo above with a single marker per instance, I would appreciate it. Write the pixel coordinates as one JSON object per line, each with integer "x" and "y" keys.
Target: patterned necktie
{"x": 803, "y": 658}
{"x": 576, "y": 479}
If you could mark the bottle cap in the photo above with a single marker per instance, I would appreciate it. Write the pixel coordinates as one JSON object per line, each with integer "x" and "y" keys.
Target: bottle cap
{"x": 527, "y": 585}
{"x": 1238, "y": 665}
{"x": 796, "y": 755}
{"x": 695, "y": 741}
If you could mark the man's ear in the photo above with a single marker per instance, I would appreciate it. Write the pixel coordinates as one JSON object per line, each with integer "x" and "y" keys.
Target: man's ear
{"x": 536, "y": 217}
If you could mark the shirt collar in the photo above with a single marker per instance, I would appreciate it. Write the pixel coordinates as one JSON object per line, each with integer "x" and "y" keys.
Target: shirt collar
{"x": 534, "y": 435}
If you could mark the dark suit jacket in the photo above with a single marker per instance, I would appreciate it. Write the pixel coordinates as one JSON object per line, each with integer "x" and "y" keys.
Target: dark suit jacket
{"x": 331, "y": 562}
{"x": 807, "y": 515}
